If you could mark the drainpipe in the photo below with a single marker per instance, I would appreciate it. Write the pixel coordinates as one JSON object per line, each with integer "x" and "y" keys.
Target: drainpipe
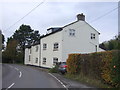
{"x": 95, "y": 46}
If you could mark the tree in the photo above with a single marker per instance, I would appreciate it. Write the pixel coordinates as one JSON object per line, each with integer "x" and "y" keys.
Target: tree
{"x": 113, "y": 44}
{"x": 26, "y": 36}
{"x": 110, "y": 46}
{"x": 10, "y": 53}
{"x": 3, "y": 40}
{"x": 16, "y": 43}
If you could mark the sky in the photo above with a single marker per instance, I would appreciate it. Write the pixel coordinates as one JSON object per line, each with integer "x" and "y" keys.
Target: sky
{"x": 101, "y": 15}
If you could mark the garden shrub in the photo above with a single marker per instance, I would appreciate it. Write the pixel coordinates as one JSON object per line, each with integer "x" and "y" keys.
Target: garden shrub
{"x": 106, "y": 69}
{"x": 104, "y": 66}
{"x": 115, "y": 66}
{"x": 84, "y": 64}
{"x": 95, "y": 65}
{"x": 73, "y": 63}
{"x": 54, "y": 69}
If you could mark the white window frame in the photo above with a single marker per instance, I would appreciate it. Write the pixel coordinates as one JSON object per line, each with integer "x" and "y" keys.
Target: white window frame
{"x": 44, "y": 46}
{"x": 29, "y": 58}
{"x": 36, "y": 60}
{"x": 55, "y": 46}
{"x": 44, "y": 61}
{"x": 92, "y": 35}
{"x": 71, "y": 32}
{"x": 55, "y": 61}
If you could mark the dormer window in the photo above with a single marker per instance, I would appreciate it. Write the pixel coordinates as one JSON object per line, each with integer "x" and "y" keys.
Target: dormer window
{"x": 92, "y": 36}
{"x": 71, "y": 32}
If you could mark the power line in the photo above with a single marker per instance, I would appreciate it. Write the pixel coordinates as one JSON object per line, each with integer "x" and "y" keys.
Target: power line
{"x": 105, "y": 14}
{"x": 44, "y": 1}
{"x": 25, "y": 15}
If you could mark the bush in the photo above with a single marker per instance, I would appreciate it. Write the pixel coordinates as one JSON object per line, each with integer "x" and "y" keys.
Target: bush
{"x": 104, "y": 66}
{"x": 73, "y": 63}
{"x": 54, "y": 69}
{"x": 115, "y": 66}
{"x": 106, "y": 58}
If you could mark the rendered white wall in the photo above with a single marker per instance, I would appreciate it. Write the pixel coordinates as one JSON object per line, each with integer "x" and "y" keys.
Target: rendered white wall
{"x": 81, "y": 42}
{"x": 49, "y": 53}
{"x": 26, "y": 60}
{"x": 35, "y": 55}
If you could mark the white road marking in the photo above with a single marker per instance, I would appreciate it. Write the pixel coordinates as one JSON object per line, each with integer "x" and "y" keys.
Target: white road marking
{"x": 20, "y": 74}
{"x": 10, "y": 66}
{"x": 10, "y": 86}
{"x": 17, "y": 69}
{"x": 58, "y": 81}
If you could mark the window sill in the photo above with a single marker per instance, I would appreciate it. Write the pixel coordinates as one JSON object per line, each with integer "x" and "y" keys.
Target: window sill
{"x": 55, "y": 49}
{"x": 44, "y": 49}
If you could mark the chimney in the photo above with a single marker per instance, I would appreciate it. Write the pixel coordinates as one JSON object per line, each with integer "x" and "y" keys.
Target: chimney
{"x": 81, "y": 17}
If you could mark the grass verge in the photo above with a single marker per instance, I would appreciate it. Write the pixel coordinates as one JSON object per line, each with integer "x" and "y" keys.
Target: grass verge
{"x": 88, "y": 81}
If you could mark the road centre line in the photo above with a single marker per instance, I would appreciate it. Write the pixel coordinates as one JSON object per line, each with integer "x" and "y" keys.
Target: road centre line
{"x": 10, "y": 86}
{"x": 20, "y": 74}
{"x": 17, "y": 69}
{"x": 58, "y": 81}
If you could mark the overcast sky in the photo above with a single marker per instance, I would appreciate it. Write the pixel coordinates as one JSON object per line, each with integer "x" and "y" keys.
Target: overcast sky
{"x": 57, "y": 14}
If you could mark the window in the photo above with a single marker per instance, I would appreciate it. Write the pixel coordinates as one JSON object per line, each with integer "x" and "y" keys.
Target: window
{"x": 55, "y": 48}
{"x": 44, "y": 60}
{"x": 92, "y": 36}
{"x": 36, "y": 48}
{"x": 71, "y": 32}
{"x": 44, "y": 46}
{"x": 55, "y": 61}
{"x": 29, "y": 57}
{"x": 36, "y": 61}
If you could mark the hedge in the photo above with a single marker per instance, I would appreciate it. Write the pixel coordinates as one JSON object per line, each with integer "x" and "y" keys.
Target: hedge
{"x": 104, "y": 66}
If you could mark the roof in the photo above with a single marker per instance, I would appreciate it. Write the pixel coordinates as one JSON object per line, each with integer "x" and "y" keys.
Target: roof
{"x": 54, "y": 29}
{"x": 58, "y": 30}
{"x": 70, "y": 24}
{"x": 36, "y": 43}
{"x": 78, "y": 21}
{"x": 92, "y": 27}
{"x": 29, "y": 46}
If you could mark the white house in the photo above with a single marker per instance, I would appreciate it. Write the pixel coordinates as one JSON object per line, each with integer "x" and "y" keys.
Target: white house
{"x": 32, "y": 55}
{"x": 58, "y": 43}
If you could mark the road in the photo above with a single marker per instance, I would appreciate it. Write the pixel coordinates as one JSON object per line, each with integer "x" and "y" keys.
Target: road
{"x": 20, "y": 76}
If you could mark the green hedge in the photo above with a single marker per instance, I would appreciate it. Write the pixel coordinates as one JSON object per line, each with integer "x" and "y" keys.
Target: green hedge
{"x": 104, "y": 66}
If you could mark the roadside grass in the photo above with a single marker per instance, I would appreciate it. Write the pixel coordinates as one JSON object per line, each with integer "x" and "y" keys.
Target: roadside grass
{"x": 88, "y": 81}
{"x": 54, "y": 69}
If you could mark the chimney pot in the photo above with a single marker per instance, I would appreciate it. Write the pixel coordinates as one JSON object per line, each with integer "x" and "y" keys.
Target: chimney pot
{"x": 81, "y": 17}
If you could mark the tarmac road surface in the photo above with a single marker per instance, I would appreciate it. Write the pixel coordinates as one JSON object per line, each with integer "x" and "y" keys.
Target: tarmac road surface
{"x": 20, "y": 76}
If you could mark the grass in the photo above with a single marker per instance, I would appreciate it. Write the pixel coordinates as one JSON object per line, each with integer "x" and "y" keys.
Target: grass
{"x": 88, "y": 81}
{"x": 54, "y": 69}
